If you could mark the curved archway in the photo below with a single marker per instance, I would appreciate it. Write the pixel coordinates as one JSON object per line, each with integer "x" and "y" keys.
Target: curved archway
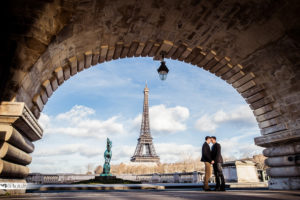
{"x": 269, "y": 118}
{"x": 262, "y": 48}
{"x": 242, "y": 81}
{"x": 182, "y": 109}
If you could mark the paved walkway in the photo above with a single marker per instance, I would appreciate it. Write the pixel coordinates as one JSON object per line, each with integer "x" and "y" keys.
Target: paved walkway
{"x": 165, "y": 195}
{"x": 158, "y": 186}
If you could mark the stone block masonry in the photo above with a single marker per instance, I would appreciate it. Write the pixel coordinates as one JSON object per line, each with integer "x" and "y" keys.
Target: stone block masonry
{"x": 18, "y": 130}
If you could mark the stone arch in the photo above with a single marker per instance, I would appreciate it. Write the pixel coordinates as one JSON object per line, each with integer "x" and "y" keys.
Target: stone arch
{"x": 260, "y": 37}
{"x": 244, "y": 82}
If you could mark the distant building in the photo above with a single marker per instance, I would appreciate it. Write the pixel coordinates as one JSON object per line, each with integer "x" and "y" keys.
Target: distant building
{"x": 240, "y": 171}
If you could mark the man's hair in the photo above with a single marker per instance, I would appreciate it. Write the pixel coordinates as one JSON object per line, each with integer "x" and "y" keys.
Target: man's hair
{"x": 207, "y": 137}
{"x": 213, "y": 137}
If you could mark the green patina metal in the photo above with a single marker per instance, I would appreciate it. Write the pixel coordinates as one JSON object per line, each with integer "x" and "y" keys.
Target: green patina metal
{"x": 107, "y": 158}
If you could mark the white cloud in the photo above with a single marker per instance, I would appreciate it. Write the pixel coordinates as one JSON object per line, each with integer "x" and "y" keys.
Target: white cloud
{"x": 60, "y": 164}
{"x": 238, "y": 148}
{"x": 122, "y": 153}
{"x": 77, "y": 113}
{"x": 242, "y": 116}
{"x": 172, "y": 152}
{"x": 168, "y": 152}
{"x": 82, "y": 149}
{"x": 44, "y": 121}
{"x": 206, "y": 123}
{"x": 78, "y": 122}
{"x": 103, "y": 78}
{"x": 166, "y": 120}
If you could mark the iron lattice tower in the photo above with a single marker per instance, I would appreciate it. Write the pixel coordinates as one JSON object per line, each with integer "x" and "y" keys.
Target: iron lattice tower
{"x": 145, "y": 151}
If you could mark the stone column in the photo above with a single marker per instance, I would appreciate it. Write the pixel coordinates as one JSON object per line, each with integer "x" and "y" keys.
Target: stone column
{"x": 176, "y": 178}
{"x": 195, "y": 177}
{"x": 18, "y": 130}
{"x": 283, "y": 152}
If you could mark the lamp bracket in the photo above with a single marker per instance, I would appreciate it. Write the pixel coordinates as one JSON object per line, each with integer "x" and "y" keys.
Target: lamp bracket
{"x": 163, "y": 53}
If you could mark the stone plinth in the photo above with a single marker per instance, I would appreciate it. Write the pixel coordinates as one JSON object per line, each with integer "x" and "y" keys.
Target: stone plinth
{"x": 284, "y": 161}
{"x": 240, "y": 171}
{"x": 18, "y": 129}
{"x": 105, "y": 178}
{"x": 20, "y": 117}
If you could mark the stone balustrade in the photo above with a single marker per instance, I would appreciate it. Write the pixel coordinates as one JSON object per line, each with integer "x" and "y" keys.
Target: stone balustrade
{"x": 186, "y": 177}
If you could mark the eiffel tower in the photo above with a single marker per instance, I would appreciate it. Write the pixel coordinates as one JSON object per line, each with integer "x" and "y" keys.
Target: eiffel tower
{"x": 145, "y": 151}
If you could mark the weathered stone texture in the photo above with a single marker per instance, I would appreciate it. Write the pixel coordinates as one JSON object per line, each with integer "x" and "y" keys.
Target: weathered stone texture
{"x": 47, "y": 86}
{"x": 73, "y": 64}
{"x": 282, "y": 150}
{"x": 59, "y": 75}
{"x": 287, "y": 171}
{"x": 281, "y": 161}
{"x": 18, "y": 128}
{"x": 285, "y": 183}
{"x": 278, "y": 137}
{"x": 14, "y": 137}
{"x": 194, "y": 39}
{"x": 88, "y": 59}
{"x": 13, "y": 154}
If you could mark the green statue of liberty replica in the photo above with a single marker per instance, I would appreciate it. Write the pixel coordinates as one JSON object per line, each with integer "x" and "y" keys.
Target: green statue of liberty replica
{"x": 107, "y": 158}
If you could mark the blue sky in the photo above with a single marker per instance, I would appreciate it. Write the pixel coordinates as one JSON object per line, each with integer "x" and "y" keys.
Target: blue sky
{"x": 106, "y": 101}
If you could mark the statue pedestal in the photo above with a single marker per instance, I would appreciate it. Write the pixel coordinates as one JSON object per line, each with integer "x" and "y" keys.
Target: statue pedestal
{"x": 105, "y": 178}
{"x": 105, "y": 174}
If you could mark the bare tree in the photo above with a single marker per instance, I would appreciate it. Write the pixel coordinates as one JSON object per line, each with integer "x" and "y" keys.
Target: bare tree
{"x": 89, "y": 168}
{"x": 98, "y": 169}
{"x": 260, "y": 161}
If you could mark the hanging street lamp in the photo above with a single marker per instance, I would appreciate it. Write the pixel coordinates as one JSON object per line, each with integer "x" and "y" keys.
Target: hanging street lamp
{"x": 163, "y": 69}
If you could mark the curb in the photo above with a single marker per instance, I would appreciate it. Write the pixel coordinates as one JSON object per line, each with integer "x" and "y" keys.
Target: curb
{"x": 44, "y": 188}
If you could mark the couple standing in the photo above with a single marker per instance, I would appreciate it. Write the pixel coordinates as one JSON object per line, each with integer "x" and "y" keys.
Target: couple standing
{"x": 213, "y": 157}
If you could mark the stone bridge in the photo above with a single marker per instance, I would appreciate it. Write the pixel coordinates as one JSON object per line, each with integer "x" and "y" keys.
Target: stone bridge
{"x": 252, "y": 45}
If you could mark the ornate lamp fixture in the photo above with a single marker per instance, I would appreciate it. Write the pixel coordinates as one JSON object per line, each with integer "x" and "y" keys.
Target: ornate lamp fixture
{"x": 163, "y": 69}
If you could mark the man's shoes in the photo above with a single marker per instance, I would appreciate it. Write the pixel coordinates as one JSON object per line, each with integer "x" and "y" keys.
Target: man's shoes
{"x": 207, "y": 190}
{"x": 219, "y": 189}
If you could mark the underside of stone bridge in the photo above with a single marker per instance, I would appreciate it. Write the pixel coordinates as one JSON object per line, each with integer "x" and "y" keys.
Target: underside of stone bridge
{"x": 252, "y": 45}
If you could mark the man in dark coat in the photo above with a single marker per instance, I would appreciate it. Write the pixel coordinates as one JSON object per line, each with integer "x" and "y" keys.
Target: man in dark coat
{"x": 217, "y": 162}
{"x": 206, "y": 158}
